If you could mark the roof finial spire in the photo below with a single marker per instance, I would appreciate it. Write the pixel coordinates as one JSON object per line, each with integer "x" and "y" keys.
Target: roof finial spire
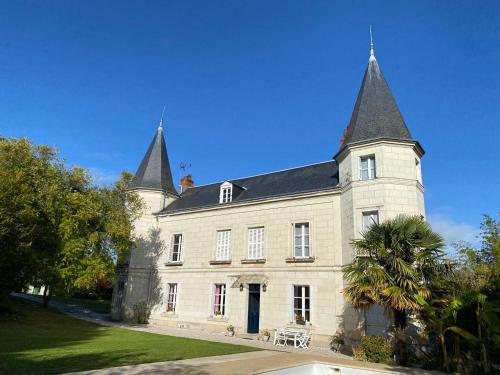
{"x": 372, "y": 50}
{"x": 161, "y": 119}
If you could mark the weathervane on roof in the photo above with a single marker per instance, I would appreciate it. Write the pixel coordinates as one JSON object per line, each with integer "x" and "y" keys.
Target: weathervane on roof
{"x": 161, "y": 119}
{"x": 184, "y": 166}
{"x": 372, "y": 50}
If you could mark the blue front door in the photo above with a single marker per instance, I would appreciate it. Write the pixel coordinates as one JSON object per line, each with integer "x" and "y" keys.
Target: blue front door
{"x": 253, "y": 308}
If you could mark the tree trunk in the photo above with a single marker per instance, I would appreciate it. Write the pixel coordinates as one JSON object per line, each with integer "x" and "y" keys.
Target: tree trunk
{"x": 445, "y": 352}
{"x": 47, "y": 292}
{"x": 482, "y": 347}
{"x": 400, "y": 319}
{"x": 400, "y": 342}
{"x": 458, "y": 354}
{"x": 365, "y": 325}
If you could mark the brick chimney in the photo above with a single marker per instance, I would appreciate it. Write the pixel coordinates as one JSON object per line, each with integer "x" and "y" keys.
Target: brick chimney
{"x": 186, "y": 183}
{"x": 342, "y": 140}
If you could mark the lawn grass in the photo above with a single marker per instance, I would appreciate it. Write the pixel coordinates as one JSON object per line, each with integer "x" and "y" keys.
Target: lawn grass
{"x": 48, "y": 342}
{"x": 99, "y": 306}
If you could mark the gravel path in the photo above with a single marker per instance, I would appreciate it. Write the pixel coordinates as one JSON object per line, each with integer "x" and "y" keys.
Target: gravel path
{"x": 68, "y": 308}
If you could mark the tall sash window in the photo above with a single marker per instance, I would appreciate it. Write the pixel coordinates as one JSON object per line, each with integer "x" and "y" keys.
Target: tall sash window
{"x": 176, "y": 248}
{"x": 301, "y": 304}
{"x": 301, "y": 240}
{"x": 219, "y": 305}
{"x": 256, "y": 243}
{"x": 171, "y": 297}
{"x": 223, "y": 245}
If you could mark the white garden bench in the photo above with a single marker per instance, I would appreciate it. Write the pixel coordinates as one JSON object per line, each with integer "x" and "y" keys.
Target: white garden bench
{"x": 300, "y": 338}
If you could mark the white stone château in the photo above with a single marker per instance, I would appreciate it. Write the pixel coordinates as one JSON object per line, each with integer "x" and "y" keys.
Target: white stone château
{"x": 267, "y": 251}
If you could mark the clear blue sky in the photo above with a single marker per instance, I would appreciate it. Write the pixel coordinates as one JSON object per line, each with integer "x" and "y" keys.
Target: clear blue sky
{"x": 257, "y": 86}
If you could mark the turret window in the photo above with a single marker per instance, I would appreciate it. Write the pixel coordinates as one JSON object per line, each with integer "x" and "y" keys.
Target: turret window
{"x": 369, "y": 218}
{"x": 367, "y": 168}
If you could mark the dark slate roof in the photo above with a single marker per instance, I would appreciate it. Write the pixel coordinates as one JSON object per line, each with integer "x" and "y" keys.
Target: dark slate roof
{"x": 311, "y": 178}
{"x": 375, "y": 114}
{"x": 154, "y": 171}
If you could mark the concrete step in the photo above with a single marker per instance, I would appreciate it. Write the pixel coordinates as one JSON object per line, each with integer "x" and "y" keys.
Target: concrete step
{"x": 248, "y": 336}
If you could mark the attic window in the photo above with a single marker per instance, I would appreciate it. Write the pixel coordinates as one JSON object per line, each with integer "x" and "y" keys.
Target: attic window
{"x": 226, "y": 192}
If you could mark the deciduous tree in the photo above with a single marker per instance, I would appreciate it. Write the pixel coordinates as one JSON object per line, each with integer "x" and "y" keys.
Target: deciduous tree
{"x": 57, "y": 228}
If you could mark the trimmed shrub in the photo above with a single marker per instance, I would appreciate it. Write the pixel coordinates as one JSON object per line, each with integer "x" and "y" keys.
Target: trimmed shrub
{"x": 359, "y": 354}
{"x": 141, "y": 312}
{"x": 376, "y": 349}
{"x": 337, "y": 341}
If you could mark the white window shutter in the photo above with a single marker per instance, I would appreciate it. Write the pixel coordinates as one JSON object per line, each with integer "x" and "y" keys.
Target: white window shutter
{"x": 171, "y": 248}
{"x": 165, "y": 297}
{"x": 177, "y": 299}
{"x": 212, "y": 299}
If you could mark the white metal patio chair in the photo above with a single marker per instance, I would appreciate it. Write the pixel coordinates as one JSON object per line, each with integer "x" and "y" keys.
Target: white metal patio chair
{"x": 279, "y": 337}
{"x": 302, "y": 340}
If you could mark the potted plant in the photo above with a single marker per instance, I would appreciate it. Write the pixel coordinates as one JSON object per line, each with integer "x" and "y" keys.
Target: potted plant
{"x": 299, "y": 319}
{"x": 337, "y": 341}
{"x": 230, "y": 330}
{"x": 170, "y": 311}
{"x": 265, "y": 335}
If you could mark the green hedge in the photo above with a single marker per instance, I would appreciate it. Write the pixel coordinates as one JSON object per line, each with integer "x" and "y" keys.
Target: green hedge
{"x": 375, "y": 349}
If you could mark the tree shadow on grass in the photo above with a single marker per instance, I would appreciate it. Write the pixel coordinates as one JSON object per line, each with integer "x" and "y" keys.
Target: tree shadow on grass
{"x": 48, "y": 342}
{"x": 18, "y": 363}
{"x": 41, "y": 328}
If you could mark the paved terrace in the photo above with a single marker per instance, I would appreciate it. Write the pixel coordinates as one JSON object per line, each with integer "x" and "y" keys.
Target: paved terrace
{"x": 246, "y": 364}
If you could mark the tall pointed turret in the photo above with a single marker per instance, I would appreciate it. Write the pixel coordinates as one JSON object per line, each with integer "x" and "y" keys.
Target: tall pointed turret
{"x": 380, "y": 172}
{"x": 376, "y": 114}
{"x": 154, "y": 172}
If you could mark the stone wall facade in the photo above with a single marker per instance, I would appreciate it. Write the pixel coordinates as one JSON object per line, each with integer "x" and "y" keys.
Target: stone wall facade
{"x": 334, "y": 217}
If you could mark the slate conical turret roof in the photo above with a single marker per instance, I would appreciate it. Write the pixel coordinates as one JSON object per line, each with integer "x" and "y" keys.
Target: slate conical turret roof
{"x": 154, "y": 172}
{"x": 376, "y": 114}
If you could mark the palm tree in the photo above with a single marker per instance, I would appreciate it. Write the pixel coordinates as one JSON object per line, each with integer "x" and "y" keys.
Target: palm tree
{"x": 487, "y": 322}
{"x": 443, "y": 321}
{"x": 395, "y": 260}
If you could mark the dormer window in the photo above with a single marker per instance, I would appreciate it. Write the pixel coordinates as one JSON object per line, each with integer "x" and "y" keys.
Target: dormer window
{"x": 226, "y": 192}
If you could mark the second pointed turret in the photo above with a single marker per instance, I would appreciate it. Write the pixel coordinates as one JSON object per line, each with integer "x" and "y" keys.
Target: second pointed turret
{"x": 376, "y": 114}
{"x": 154, "y": 171}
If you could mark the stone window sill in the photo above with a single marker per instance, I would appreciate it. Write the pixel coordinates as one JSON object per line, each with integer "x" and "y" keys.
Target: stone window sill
{"x": 173, "y": 264}
{"x": 217, "y": 319}
{"x": 217, "y": 262}
{"x": 300, "y": 260}
{"x": 169, "y": 315}
{"x": 308, "y": 325}
{"x": 253, "y": 261}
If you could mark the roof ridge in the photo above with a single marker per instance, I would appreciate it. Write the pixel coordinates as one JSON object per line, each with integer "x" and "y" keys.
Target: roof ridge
{"x": 263, "y": 174}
